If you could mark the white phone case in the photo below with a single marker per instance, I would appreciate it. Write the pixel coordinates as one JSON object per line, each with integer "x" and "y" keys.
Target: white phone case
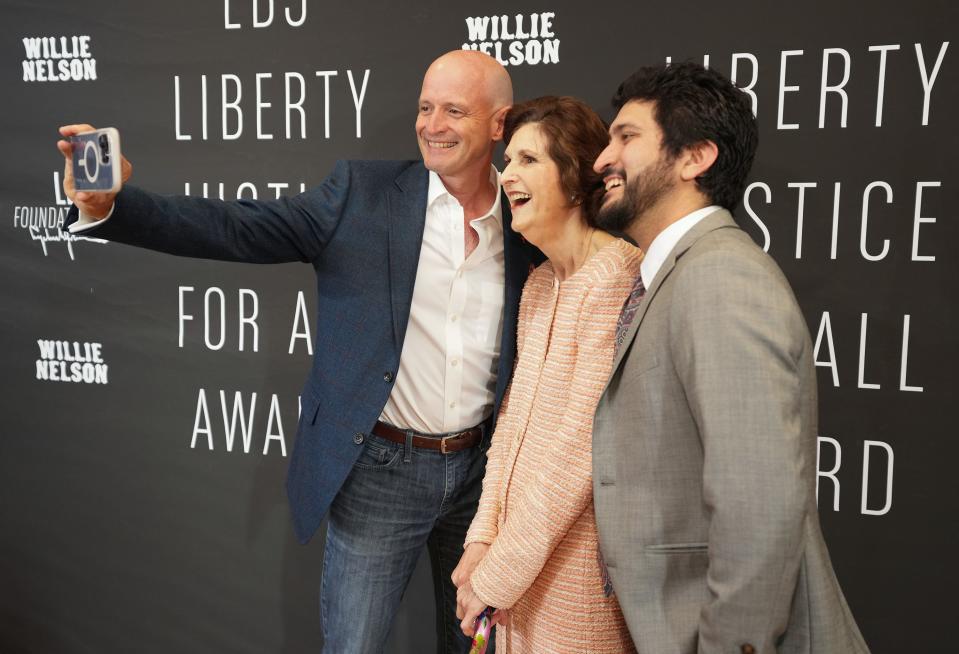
{"x": 96, "y": 160}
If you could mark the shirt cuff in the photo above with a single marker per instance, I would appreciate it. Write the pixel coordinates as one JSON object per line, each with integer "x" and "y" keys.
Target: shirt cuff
{"x": 85, "y": 222}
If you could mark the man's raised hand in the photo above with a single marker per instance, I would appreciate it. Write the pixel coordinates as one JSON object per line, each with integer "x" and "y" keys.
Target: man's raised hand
{"x": 94, "y": 205}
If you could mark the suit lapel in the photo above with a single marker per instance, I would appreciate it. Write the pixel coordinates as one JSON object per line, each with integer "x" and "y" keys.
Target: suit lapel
{"x": 716, "y": 220}
{"x": 407, "y": 219}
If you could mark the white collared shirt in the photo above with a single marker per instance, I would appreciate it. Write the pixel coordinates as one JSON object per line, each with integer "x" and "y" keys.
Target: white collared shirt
{"x": 447, "y": 375}
{"x": 666, "y": 240}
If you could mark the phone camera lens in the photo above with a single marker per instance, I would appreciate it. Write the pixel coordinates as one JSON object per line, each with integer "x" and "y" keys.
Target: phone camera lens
{"x": 104, "y": 143}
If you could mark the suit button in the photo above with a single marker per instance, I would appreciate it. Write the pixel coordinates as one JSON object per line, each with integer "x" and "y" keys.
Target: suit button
{"x": 358, "y": 437}
{"x": 387, "y": 377}
{"x": 748, "y": 649}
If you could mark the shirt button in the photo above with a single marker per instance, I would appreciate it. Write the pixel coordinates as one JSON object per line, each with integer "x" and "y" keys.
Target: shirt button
{"x": 452, "y": 405}
{"x": 453, "y": 318}
{"x": 459, "y": 274}
{"x": 454, "y": 362}
{"x": 358, "y": 438}
{"x": 387, "y": 377}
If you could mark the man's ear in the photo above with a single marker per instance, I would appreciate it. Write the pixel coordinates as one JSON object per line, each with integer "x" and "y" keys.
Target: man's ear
{"x": 697, "y": 159}
{"x": 499, "y": 119}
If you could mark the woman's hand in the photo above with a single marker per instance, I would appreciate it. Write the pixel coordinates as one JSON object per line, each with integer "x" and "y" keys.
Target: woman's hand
{"x": 472, "y": 555}
{"x": 468, "y": 607}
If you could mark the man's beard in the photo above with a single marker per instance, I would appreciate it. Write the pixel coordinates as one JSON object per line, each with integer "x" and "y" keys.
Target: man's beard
{"x": 639, "y": 196}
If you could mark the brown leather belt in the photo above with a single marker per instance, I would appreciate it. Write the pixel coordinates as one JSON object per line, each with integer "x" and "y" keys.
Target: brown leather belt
{"x": 454, "y": 442}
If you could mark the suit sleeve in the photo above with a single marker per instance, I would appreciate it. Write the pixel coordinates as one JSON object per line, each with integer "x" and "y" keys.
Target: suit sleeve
{"x": 270, "y": 231}
{"x": 737, "y": 339}
{"x": 545, "y": 509}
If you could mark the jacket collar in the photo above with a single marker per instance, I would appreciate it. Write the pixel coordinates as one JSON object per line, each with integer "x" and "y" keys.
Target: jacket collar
{"x": 720, "y": 219}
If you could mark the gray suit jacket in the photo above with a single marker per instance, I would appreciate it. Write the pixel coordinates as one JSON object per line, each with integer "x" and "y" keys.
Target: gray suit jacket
{"x": 704, "y": 456}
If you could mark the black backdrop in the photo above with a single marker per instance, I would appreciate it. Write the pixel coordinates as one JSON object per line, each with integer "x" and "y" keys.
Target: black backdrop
{"x": 134, "y": 518}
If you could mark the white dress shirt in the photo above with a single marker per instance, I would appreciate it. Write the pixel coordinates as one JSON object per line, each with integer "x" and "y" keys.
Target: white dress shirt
{"x": 447, "y": 375}
{"x": 85, "y": 222}
{"x": 666, "y": 240}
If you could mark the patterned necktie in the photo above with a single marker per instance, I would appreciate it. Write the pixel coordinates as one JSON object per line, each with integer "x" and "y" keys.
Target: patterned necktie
{"x": 630, "y": 306}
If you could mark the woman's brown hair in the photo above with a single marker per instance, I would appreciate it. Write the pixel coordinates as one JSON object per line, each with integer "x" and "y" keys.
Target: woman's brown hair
{"x": 576, "y": 135}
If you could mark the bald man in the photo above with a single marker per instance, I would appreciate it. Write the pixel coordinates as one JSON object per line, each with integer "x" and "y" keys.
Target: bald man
{"x": 418, "y": 277}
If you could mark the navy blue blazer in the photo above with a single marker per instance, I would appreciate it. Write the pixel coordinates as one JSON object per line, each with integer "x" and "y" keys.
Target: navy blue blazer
{"x": 361, "y": 229}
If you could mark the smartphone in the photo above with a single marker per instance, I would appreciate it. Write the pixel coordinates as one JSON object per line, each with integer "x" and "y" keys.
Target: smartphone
{"x": 96, "y": 160}
{"x": 483, "y": 628}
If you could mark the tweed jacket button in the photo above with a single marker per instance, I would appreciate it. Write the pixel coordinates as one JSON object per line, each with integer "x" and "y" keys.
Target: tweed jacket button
{"x": 358, "y": 437}
{"x": 387, "y": 377}
{"x": 748, "y": 649}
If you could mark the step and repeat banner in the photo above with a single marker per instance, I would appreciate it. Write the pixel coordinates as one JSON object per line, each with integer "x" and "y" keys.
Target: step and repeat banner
{"x": 150, "y": 402}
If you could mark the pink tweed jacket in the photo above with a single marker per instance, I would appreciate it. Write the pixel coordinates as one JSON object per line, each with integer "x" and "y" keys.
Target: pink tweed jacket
{"x": 536, "y": 509}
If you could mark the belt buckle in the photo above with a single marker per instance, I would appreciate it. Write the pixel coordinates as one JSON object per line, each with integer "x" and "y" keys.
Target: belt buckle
{"x": 443, "y": 440}
{"x": 451, "y": 437}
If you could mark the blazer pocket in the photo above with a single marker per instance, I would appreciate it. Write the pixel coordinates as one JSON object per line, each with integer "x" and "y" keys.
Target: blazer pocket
{"x": 677, "y": 548}
{"x": 640, "y": 363}
{"x": 309, "y": 405}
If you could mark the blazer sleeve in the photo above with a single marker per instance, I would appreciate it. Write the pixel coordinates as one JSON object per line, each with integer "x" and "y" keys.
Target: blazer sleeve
{"x": 737, "y": 338}
{"x": 545, "y": 509}
{"x": 264, "y": 231}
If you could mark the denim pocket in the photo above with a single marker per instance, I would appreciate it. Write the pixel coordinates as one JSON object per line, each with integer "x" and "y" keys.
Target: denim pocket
{"x": 378, "y": 454}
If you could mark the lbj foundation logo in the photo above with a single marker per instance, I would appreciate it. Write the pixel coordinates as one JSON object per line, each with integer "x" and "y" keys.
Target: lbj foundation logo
{"x": 58, "y": 59}
{"x": 44, "y": 223}
{"x": 515, "y": 40}
{"x": 75, "y": 362}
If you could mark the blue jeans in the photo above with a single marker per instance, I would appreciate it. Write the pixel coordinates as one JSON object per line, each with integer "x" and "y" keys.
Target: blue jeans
{"x": 396, "y": 499}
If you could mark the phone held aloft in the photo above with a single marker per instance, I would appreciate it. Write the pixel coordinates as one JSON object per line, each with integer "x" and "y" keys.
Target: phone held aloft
{"x": 96, "y": 160}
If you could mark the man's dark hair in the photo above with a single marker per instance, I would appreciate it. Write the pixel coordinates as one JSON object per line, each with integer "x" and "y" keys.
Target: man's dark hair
{"x": 693, "y": 104}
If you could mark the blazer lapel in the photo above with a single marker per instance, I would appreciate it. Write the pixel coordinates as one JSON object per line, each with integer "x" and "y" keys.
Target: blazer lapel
{"x": 518, "y": 261}
{"x": 716, "y": 220}
{"x": 407, "y": 219}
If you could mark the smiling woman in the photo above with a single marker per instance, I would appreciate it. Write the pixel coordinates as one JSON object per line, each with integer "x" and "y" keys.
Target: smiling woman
{"x": 532, "y": 548}
{"x": 572, "y": 135}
